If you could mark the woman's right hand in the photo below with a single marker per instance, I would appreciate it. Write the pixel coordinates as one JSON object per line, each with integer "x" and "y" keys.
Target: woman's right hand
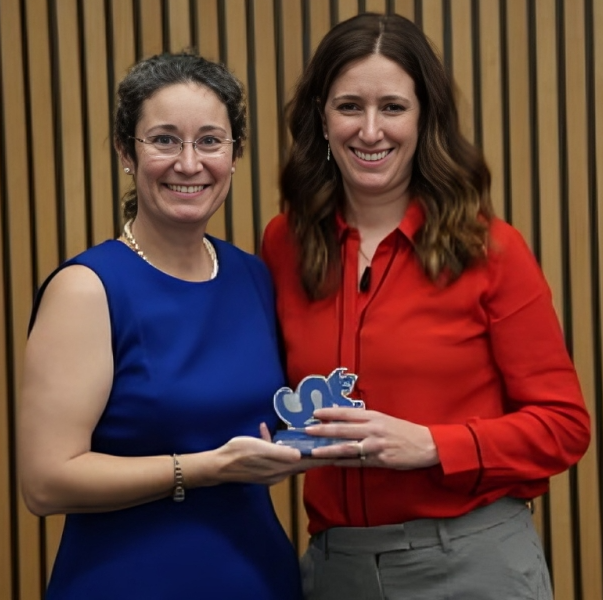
{"x": 246, "y": 459}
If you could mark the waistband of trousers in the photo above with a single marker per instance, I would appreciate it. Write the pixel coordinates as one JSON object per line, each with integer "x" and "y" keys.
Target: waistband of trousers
{"x": 419, "y": 533}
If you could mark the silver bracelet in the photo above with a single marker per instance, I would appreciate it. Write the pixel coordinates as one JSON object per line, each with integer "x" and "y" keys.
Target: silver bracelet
{"x": 178, "y": 493}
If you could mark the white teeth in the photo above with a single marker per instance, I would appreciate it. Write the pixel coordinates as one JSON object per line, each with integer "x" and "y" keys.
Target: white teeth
{"x": 188, "y": 189}
{"x": 373, "y": 156}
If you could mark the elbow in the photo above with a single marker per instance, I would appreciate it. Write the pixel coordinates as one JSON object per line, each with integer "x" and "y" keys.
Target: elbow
{"x": 583, "y": 440}
{"x": 584, "y": 433}
{"x": 578, "y": 443}
{"x": 38, "y": 501}
{"x": 37, "y": 506}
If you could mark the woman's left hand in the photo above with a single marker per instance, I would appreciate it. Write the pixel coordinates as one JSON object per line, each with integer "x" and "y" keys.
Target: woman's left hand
{"x": 375, "y": 440}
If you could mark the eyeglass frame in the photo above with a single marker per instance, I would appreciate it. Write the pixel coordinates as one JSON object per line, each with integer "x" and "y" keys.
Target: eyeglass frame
{"x": 182, "y": 142}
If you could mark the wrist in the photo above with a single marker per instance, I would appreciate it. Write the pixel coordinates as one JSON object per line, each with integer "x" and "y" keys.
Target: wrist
{"x": 431, "y": 450}
{"x": 201, "y": 469}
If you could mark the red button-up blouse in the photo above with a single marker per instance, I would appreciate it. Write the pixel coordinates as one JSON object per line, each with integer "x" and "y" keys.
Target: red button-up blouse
{"x": 482, "y": 362}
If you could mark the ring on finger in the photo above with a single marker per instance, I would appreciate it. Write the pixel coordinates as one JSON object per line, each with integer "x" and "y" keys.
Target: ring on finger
{"x": 361, "y": 453}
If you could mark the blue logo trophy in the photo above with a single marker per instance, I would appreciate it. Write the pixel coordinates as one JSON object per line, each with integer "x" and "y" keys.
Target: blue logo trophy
{"x": 296, "y": 408}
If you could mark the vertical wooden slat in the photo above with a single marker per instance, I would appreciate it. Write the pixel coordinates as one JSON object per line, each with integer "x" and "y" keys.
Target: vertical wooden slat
{"x": 179, "y": 22}
{"x": 43, "y": 161}
{"x": 346, "y": 9}
{"x": 242, "y": 221}
{"x": 406, "y": 8}
{"x": 207, "y": 26}
{"x": 433, "y": 23}
{"x": 122, "y": 30}
{"x": 320, "y": 22}
{"x": 123, "y": 50}
{"x": 267, "y": 113}
{"x": 292, "y": 58}
{"x": 100, "y": 146}
{"x": 519, "y": 118}
{"x": 151, "y": 27}
{"x": 377, "y": 6}
{"x": 462, "y": 63}
{"x": 491, "y": 95}
{"x": 70, "y": 131}
{"x": 18, "y": 260}
{"x": 581, "y": 289}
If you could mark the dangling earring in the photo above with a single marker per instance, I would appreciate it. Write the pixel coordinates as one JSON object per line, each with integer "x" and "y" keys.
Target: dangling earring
{"x": 328, "y": 151}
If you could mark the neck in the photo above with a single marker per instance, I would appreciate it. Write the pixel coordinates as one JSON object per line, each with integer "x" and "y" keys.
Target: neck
{"x": 189, "y": 259}
{"x": 376, "y": 215}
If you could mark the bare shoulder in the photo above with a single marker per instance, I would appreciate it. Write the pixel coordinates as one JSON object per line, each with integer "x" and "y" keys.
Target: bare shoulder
{"x": 71, "y": 335}
{"x": 74, "y": 297}
{"x": 77, "y": 280}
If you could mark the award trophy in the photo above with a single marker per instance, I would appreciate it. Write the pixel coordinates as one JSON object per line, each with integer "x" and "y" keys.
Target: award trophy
{"x": 296, "y": 408}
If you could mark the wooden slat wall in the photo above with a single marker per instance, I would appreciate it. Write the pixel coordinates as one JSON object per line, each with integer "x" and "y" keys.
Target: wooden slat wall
{"x": 529, "y": 76}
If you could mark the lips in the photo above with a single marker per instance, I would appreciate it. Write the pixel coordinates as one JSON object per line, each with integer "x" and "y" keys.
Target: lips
{"x": 186, "y": 189}
{"x": 371, "y": 156}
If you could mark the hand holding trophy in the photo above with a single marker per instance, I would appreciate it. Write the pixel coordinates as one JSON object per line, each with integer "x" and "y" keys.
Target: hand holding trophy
{"x": 296, "y": 408}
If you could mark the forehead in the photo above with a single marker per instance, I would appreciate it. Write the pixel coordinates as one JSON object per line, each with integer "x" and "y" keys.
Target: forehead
{"x": 184, "y": 104}
{"x": 373, "y": 75}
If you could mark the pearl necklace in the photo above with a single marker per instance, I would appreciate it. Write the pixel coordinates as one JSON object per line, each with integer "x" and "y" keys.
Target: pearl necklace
{"x": 133, "y": 244}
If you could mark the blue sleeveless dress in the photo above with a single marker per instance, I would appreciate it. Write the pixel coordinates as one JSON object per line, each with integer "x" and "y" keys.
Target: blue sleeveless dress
{"x": 195, "y": 365}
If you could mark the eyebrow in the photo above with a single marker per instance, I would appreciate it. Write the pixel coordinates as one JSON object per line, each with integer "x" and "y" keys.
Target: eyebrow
{"x": 388, "y": 98}
{"x": 173, "y": 128}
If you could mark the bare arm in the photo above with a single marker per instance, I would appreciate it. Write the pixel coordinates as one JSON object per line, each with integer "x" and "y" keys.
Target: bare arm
{"x": 67, "y": 379}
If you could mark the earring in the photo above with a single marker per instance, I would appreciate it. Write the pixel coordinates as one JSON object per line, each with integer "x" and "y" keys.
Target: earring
{"x": 232, "y": 170}
{"x": 126, "y": 170}
{"x": 328, "y": 151}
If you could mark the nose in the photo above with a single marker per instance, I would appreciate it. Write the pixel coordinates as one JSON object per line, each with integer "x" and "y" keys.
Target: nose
{"x": 371, "y": 130}
{"x": 189, "y": 160}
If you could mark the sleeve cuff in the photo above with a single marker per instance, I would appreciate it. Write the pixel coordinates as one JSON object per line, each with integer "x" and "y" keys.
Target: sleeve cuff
{"x": 458, "y": 454}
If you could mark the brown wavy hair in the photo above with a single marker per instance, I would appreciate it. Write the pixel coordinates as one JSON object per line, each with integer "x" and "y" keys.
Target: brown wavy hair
{"x": 449, "y": 178}
{"x": 152, "y": 74}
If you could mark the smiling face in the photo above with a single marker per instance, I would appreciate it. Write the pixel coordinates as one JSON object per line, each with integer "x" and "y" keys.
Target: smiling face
{"x": 371, "y": 120}
{"x": 188, "y": 187}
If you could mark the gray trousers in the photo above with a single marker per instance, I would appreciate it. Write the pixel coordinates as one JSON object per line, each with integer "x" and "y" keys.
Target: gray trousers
{"x": 491, "y": 553}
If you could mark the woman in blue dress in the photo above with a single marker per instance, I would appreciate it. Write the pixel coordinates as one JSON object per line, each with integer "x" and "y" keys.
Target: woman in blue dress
{"x": 150, "y": 369}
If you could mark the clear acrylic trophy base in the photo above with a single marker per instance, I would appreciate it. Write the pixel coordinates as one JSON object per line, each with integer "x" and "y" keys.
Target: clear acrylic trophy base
{"x": 305, "y": 443}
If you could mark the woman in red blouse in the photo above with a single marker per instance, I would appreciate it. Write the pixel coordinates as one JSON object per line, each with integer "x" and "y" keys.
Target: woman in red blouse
{"x": 388, "y": 261}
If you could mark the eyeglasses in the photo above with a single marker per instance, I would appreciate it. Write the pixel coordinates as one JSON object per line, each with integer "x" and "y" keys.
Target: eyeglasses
{"x": 165, "y": 145}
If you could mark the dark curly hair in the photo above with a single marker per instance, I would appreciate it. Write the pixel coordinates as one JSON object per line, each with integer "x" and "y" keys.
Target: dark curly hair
{"x": 450, "y": 177}
{"x": 150, "y": 75}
